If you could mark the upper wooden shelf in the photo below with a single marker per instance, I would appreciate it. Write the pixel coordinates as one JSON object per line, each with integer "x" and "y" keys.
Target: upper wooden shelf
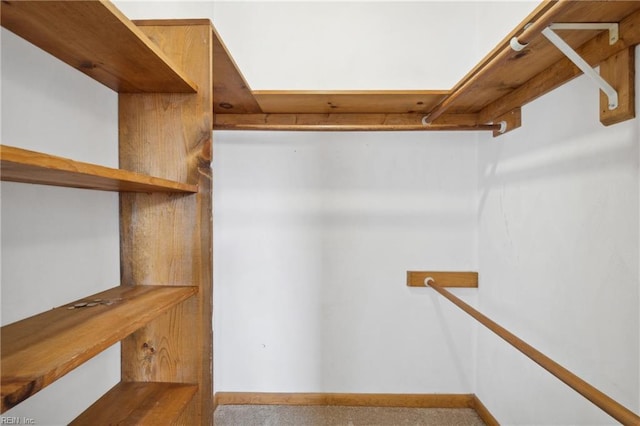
{"x": 38, "y": 350}
{"x": 231, "y": 92}
{"x": 534, "y": 66}
{"x": 21, "y": 165}
{"x": 493, "y": 91}
{"x": 97, "y": 39}
{"x": 135, "y": 403}
{"x": 233, "y": 95}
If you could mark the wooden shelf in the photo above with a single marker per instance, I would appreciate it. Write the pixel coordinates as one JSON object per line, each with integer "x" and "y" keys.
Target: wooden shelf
{"x": 349, "y": 102}
{"x": 231, "y": 92}
{"x": 492, "y": 92}
{"x": 21, "y": 165}
{"x": 161, "y": 133}
{"x": 135, "y": 403}
{"x": 506, "y": 79}
{"x": 38, "y": 350}
{"x": 98, "y": 40}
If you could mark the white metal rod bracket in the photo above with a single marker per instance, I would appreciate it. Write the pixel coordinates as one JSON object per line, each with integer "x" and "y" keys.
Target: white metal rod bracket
{"x": 574, "y": 57}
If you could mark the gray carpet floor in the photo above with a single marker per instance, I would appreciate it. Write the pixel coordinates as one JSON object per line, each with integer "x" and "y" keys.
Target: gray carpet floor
{"x": 280, "y": 415}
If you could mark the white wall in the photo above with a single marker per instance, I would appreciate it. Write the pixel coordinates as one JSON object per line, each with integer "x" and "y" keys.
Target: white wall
{"x": 559, "y": 260}
{"x": 357, "y": 45}
{"x": 58, "y": 244}
{"x": 314, "y": 232}
{"x": 313, "y": 236}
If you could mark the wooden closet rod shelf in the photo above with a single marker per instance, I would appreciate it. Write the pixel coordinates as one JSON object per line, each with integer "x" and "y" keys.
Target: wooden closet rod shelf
{"x": 492, "y": 92}
{"x": 38, "y": 350}
{"x": 21, "y": 165}
{"x": 506, "y": 79}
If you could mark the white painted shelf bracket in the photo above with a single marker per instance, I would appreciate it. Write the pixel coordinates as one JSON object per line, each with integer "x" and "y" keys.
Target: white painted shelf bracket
{"x": 574, "y": 57}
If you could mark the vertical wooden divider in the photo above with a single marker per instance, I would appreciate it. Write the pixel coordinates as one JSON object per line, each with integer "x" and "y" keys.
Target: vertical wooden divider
{"x": 166, "y": 239}
{"x": 620, "y": 71}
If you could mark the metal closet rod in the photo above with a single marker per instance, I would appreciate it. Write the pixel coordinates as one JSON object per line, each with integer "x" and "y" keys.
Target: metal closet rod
{"x": 604, "y": 402}
{"x": 530, "y": 31}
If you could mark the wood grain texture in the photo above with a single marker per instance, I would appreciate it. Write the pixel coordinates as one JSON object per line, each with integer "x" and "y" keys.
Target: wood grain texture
{"x": 170, "y": 22}
{"x": 445, "y": 279}
{"x": 38, "y": 350}
{"x": 231, "y": 92}
{"x": 345, "y": 122}
{"x": 167, "y": 239}
{"x": 21, "y": 165}
{"x": 130, "y": 403}
{"x": 512, "y": 120}
{"x": 504, "y": 72}
{"x": 593, "y": 51}
{"x": 603, "y": 401}
{"x": 351, "y": 102}
{"x": 500, "y": 71}
{"x": 347, "y": 399}
{"x": 619, "y": 71}
{"x": 98, "y": 40}
{"x": 534, "y": 16}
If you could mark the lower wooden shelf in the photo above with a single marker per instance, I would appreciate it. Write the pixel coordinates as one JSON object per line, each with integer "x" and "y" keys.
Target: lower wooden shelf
{"x": 135, "y": 403}
{"x": 38, "y": 350}
{"x": 21, "y": 165}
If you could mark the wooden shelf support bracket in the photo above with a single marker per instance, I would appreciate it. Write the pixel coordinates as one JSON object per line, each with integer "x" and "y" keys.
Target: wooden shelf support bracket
{"x": 619, "y": 70}
{"x": 508, "y": 122}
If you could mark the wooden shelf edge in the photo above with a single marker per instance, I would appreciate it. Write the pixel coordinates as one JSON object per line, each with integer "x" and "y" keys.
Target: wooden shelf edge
{"x": 348, "y": 101}
{"x": 493, "y": 60}
{"x": 539, "y": 11}
{"x": 21, "y": 165}
{"x": 231, "y": 92}
{"x": 186, "y": 83}
{"x": 138, "y": 403}
{"x": 130, "y": 64}
{"x": 38, "y": 350}
{"x": 170, "y": 22}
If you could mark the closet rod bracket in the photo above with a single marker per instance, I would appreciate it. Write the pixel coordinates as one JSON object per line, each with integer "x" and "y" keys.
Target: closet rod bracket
{"x": 573, "y": 56}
